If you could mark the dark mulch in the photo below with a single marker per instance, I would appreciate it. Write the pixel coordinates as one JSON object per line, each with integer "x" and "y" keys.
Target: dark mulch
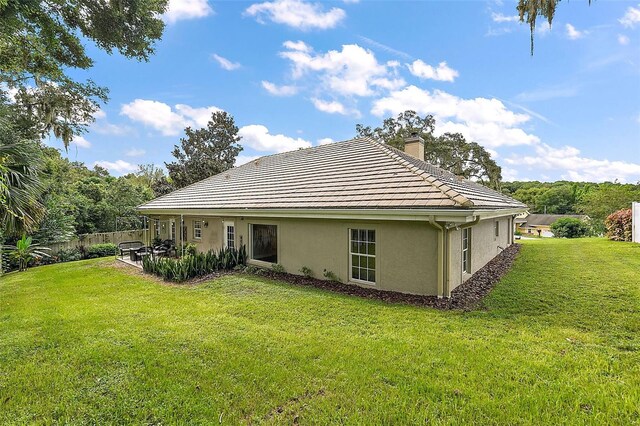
{"x": 467, "y": 296}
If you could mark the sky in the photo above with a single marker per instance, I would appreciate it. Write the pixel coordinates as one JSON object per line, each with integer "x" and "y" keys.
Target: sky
{"x": 296, "y": 74}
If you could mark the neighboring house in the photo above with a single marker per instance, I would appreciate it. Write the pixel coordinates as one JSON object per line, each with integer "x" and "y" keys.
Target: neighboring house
{"x": 369, "y": 213}
{"x": 533, "y": 223}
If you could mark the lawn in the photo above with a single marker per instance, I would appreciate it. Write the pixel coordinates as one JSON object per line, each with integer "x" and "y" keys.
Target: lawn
{"x": 558, "y": 341}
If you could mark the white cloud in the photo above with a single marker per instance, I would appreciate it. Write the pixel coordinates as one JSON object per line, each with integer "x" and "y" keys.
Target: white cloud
{"x": 297, "y": 14}
{"x": 353, "y": 71}
{"x": 163, "y": 118}
{"x": 325, "y": 141}
{"x": 623, "y": 39}
{"x": 102, "y": 125}
{"x": 81, "y": 142}
{"x": 486, "y": 121}
{"x": 631, "y": 17}
{"x": 384, "y": 47}
{"x": 257, "y": 137}
{"x": 279, "y": 90}
{"x": 99, "y": 114}
{"x": 187, "y": 9}
{"x": 135, "y": 152}
{"x": 500, "y": 18}
{"x": 548, "y": 93}
{"x": 331, "y": 107}
{"x": 573, "y": 33}
{"x": 225, "y": 63}
{"x": 543, "y": 29}
{"x": 571, "y": 166}
{"x": 118, "y": 166}
{"x": 442, "y": 73}
{"x": 244, "y": 159}
{"x": 297, "y": 45}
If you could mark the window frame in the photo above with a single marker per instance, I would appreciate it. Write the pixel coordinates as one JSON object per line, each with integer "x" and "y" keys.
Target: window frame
{"x": 230, "y": 242}
{"x": 496, "y": 229}
{"x": 197, "y": 228}
{"x": 465, "y": 250}
{"x": 365, "y": 255}
{"x": 250, "y": 240}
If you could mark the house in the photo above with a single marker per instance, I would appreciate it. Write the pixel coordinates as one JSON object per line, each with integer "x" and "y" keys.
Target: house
{"x": 368, "y": 213}
{"x": 540, "y": 224}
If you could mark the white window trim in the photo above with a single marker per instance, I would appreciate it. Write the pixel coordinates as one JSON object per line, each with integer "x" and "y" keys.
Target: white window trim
{"x": 375, "y": 256}
{"x": 194, "y": 229}
{"x": 225, "y": 235}
{"x": 496, "y": 229}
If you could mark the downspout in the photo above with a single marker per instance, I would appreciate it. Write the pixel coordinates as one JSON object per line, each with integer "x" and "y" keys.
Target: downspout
{"x": 444, "y": 252}
{"x": 447, "y": 282}
{"x": 441, "y": 255}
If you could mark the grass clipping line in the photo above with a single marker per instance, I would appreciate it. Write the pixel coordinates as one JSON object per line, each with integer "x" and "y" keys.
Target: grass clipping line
{"x": 466, "y": 296}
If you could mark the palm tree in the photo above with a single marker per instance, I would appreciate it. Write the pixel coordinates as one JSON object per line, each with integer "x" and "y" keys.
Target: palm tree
{"x": 25, "y": 250}
{"x": 20, "y": 187}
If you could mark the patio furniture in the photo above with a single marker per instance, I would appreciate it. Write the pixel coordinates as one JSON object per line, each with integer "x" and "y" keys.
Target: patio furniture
{"x": 137, "y": 255}
{"x": 129, "y": 246}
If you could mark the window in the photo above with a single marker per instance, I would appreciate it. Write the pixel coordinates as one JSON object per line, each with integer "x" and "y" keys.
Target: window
{"x": 497, "y": 228}
{"x": 363, "y": 255}
{"x": 264, "y": 243}
{"x": 197, "y": 229}
{"x": 231, "y": 236}
{"x": 466, "y": 250}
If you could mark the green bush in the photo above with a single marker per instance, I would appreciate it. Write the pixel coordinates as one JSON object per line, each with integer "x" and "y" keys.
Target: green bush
{"x": 306, "y": 271}
{"x": 190, "y": 249}
{"x": 569, "y": 227}
{"x": 68, "y": 255}
{"x": 101, "y": 250}
{"x": 331, "y": 276}
{"x": 278, "y": 268}
{"x": 198, "y": 265}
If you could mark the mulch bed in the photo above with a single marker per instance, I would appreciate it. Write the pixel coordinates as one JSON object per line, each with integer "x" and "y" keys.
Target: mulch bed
{"x": 467, "y": 296}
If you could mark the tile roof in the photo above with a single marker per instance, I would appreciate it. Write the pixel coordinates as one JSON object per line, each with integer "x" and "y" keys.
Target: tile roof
{"x": 354, "y": 174}
{"x": 535, "y": 219}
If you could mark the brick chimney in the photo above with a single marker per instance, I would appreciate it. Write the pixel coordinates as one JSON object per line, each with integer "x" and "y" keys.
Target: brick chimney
{"x": 414, "y": 146}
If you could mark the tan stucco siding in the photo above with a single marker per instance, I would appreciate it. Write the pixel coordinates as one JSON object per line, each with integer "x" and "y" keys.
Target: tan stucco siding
{"x": 484, "y": 247}
{"x": 406, "y": 252}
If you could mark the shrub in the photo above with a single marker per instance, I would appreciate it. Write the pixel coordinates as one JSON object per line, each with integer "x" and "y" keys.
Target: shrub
{"x": 569, "y": 227}
{"x": 101, "y": 250}
{"x": 306, "y": 271}
{"x": 619, "y": 225}
{"x": 68, "y": 255}
{"x": 190, "y": 249}
{"x": 191, "y": 266}
{"x": 330, "y": 276}
{"x": 278, "y": 268}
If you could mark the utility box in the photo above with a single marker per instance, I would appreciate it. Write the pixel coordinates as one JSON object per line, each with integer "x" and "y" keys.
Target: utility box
{"x": 635, "y": 222}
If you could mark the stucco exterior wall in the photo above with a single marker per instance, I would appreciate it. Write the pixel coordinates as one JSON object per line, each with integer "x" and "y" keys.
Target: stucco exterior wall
{"x": 406, "y": 252}
{"x": 484, "y": 247}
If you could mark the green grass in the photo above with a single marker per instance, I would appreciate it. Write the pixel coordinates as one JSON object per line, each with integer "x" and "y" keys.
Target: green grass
{"x": 558, "y": 343}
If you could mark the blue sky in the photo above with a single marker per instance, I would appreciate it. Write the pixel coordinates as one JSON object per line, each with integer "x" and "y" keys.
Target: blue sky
{"x": 297, "y": 74}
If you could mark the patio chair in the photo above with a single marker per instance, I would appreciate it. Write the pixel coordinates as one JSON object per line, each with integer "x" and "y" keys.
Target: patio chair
{"x": 126, "y": 247}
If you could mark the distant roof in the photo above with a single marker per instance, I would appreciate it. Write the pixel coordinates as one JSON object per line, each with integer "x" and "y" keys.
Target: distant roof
{"x": 548, "y": 219}
{"x": 358, "y": 173}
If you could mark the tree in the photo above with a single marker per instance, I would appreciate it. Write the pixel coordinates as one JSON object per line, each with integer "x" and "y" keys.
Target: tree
{"x": 40, "y": 42}
{"x": 205, "y": 152}
{"x": 20, "y": 162}
{"x": 449, "y": 151}
{"x": 569, "y": 227}
{"x": 605, "y": 199}
{"x": 25, "y": 250}
{"x": 531, "y": 10}
{"x": 619, "y": 225}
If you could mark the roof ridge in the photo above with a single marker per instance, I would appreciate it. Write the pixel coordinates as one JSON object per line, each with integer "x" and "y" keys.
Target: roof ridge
{"x": 443, "y": 187}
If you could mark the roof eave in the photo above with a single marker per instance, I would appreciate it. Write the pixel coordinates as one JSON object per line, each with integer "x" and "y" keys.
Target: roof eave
{"x": 440, "y": 215}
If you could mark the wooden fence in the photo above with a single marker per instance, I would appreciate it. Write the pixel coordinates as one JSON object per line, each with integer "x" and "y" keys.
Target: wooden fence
{"x": 88, "y": 240}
